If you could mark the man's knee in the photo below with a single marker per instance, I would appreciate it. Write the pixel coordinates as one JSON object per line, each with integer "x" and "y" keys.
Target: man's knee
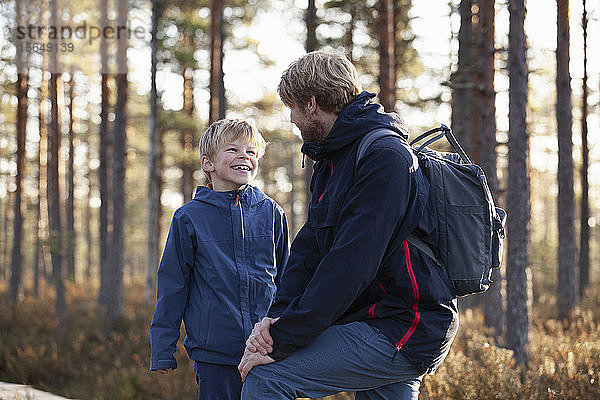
{"x": 262, "y": 383}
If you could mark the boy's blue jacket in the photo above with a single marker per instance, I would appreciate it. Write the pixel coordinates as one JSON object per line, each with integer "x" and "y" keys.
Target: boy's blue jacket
{"x": 351, "y": 261}
{"x": 219, "y": 272}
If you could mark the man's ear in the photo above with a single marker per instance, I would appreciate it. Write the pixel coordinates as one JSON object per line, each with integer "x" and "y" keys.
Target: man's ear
{"x": 312, "y": 105}
{"x": 207, "y": 165}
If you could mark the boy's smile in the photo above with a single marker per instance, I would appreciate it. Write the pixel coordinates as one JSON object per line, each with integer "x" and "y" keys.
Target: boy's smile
{"x": 234, "y": 166}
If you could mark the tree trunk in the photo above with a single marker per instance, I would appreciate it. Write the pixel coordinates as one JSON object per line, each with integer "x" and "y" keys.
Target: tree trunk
{"x": 70, "y": 228}
{"x": 53, "y": 188}
{"x": 492, "y": 300}
{"x": 387, "y": 64}
{"x": 87, "y": 215}
{"x": 115, "y": 290}
{"x": 216, "y": 60}
{"x": 584, "y": 250}
{"x": 462, "y": 107}
{"x": 567, "y": 260}
{"x": 187, "y": 136}
{"x": 104, "y": 170}
{"x": 38, "y": 206}
{"x": 311, "y": 45}
{"x": 5, "y": 215}
{"x": 16, "y": 262}
{"x": 349, "y": 33}
{"x": 517, "y": 263}
{"x": 154, "y": 166}
{"x": 43, "y": 224}
{"x": 476, "y": 83}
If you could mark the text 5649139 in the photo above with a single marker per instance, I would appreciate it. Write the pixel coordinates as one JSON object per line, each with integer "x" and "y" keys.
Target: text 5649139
{"x": 35, "y": 47}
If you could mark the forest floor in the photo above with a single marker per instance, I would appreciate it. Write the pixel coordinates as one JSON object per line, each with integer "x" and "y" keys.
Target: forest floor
{"x": 77, "y": 360}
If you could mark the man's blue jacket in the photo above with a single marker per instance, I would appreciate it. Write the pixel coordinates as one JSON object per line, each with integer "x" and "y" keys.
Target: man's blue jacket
{"x": 219, "y": 272}
{"x": 351, "y": 261}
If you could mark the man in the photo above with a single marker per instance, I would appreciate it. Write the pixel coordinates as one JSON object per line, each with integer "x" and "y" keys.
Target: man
{"x": 359, "y": 308}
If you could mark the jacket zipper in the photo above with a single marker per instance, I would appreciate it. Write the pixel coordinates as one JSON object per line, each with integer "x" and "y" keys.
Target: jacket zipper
{"x": 237, "y": 201}
{"x": 417, "y": 316}
{"x": 330, "y": 174}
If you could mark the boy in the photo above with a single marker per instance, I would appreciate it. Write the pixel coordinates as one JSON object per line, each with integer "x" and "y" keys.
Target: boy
{"x": 221, "y": 264}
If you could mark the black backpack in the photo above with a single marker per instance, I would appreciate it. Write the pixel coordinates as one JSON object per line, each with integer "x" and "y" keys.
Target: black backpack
{"x": 470, "y": 226}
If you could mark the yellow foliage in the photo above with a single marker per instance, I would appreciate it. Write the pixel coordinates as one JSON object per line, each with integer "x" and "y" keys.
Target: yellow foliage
{"x": 79, "y": 361}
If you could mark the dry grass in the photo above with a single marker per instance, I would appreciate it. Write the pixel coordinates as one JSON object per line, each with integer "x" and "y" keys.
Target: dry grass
{"x": 79, "y": 361}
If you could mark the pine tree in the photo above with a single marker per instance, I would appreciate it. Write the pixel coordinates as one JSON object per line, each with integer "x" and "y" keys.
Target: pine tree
{"x": 154, "y": 164}
{"x": 104, "y": 170}
{"x": 217, "y": 87}
{"x": 517, "y": 263}
{"x": 584, "y": 250}
{"x": 486, "y": 109}
{"x": 567, "y": 261}
{"x": 53, "y": 187}
{"x": 462, "y": 107}
{"x": 16, "y": 262}
{"x": 115, "y": 290}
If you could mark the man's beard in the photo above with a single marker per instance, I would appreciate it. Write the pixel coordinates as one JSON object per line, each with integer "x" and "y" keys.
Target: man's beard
{"x": 313, "y": 131}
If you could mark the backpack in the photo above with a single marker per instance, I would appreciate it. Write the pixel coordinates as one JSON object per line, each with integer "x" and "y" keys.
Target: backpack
{"x": 470, "y": 226}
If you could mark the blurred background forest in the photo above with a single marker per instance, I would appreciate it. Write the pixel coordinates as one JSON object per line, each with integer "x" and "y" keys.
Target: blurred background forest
{"x": 101, "y": 106}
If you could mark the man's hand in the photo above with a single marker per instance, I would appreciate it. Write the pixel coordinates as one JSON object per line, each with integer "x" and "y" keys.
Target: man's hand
{"x": 252, "y": 359}
{"x": 260, "y": 339}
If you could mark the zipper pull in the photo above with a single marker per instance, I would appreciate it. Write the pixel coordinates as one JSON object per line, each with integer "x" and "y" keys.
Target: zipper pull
{"x": 237, "y": 198}
{"x": 396, "y": 353}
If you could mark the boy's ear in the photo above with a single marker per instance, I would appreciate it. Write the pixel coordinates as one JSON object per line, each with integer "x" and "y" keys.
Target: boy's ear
{"x": 207, "y": 165}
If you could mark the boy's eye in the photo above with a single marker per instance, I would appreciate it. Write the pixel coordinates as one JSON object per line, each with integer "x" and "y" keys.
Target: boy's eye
{"x": 231, "y": 149}
{"x": 251, "y": 152}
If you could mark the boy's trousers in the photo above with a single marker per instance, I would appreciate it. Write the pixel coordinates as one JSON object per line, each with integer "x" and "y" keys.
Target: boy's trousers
{"x": 217, "y": 382}
{"x": 354, "y": 358}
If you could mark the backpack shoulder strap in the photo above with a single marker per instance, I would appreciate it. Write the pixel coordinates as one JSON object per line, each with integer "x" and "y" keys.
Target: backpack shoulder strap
{"x": 424, "y": 247}
{"x": 364, "y": 144}
{"x": 379, "y": 133}
{"x": 368, "y": 139}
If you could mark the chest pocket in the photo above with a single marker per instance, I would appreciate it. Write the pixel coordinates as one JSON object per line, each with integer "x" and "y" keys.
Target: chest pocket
{"x": 323, "y": 219}
{"x": 325, "y": 214}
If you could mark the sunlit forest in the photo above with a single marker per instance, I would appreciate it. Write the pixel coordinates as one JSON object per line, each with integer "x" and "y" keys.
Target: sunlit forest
{"x": 102, "y": 103}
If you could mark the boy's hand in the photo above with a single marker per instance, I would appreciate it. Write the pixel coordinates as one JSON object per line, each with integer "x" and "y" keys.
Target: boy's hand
{"x": 260, "y": 339}
{"x": 250, "y": 360}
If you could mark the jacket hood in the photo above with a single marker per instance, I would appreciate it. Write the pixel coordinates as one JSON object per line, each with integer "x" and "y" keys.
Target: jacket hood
{"x": 250, "y": 195}
{"x": 356, "y": 119}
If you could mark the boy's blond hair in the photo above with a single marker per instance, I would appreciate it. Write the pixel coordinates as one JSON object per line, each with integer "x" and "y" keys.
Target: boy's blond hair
{"x": 328, "y": 76}
{"x": 227, "y": 130}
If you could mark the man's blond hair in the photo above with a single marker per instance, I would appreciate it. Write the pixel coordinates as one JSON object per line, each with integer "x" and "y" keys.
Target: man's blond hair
{"x": 329, "y": 76}
{"x": 229, "y": 130}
